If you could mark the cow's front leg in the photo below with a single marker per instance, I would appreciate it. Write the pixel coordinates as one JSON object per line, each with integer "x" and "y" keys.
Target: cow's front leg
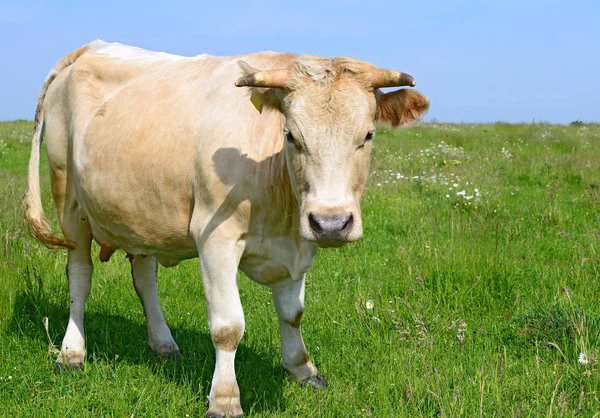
{"x": 289, "y": 303}
{"x": 79, "y": 276}
{"x": 144, "y": 270}
{"x": 226, "y": 321}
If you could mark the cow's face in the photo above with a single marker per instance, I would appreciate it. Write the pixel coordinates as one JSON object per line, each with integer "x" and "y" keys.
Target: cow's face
{"x": 328, "y": 134}
{"x": 328, "y": 140}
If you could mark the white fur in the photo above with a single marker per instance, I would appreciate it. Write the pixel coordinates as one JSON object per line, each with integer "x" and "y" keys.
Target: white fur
{"x": 289, "y": 302}
{"x": 219, "y": 275}
{"x": 80, "y": 269}
{"x": 143, "y": 270}
{"x": 120, "y": 51}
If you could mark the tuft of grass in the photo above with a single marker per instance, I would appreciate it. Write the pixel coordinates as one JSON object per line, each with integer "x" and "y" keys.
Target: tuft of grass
{"x": 481, "y": 257}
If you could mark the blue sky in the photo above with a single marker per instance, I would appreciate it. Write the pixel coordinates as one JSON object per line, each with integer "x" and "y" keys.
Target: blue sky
{"x": 477, "y": 61}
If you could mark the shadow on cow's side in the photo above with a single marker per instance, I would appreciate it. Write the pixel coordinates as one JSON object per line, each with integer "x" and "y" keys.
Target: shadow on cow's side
{"x": 115, "y": 339}
{"x": 247, "y": 178}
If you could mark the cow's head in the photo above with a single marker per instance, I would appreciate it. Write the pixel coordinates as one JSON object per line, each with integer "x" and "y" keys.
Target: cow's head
{"x": 331, "y": 107}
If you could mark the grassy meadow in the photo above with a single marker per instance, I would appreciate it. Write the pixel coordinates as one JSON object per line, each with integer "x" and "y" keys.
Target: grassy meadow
{"x": 481, "y": 255}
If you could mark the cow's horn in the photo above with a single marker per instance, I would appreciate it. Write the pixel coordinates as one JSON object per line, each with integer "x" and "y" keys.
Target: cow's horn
{"x": 270, "y": 78}
{"x": 390, "y": 78}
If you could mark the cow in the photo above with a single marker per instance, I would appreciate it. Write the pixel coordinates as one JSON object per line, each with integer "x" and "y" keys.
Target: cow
{"x": 250, "y": 162}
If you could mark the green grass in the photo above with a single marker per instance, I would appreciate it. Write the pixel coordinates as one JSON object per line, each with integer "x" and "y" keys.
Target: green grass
{"x": 483, "y": 303}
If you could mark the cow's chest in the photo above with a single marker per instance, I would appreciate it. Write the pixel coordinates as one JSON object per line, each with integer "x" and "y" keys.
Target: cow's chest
{"x": 272, "y": 260}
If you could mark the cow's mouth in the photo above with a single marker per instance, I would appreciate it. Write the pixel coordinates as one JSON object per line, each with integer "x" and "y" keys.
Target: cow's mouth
{"x": 331, "y": 244}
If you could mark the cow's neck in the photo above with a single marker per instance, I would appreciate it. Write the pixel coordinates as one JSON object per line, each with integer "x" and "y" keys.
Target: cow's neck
{"x": 273, "y": 244}
{"x": 282, "y": 199}
{"x": 265, "y": 149}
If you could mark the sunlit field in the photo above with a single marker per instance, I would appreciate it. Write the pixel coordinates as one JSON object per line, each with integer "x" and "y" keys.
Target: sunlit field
{"x": 474, "y": 292}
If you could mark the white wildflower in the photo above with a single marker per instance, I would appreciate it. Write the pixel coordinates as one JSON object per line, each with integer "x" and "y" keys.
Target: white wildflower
{"x": 370, "y": 304}
{"x": 583, "y": 358}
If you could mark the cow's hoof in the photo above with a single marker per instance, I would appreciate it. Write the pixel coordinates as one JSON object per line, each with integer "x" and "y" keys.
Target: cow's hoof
{"x": 172, "y": 355}
{"x": 217, "y": 415}
{"x": 316, "y": 382}
{"x": 225, "y": 408}
{"x": 166, "y": 349}
{"x": 62, "y": 367}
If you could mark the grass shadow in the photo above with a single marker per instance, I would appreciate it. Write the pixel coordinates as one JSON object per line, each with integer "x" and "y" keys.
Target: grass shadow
{"x": 114, "y": 339}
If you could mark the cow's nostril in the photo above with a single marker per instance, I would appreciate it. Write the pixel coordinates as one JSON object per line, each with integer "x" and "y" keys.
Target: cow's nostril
{"x": 349, "y": 223}
{"x": 314, "y": 224}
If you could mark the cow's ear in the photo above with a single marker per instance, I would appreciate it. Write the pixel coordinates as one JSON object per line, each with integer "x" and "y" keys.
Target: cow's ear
{"x": 401, "y": 107}
{"x": 261, "y": 98}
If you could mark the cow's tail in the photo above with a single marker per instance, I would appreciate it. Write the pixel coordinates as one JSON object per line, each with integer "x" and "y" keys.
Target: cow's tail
{"x": 32, "y": 204}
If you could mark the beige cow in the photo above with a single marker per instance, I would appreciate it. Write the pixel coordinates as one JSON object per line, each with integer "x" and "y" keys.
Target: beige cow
{"x": 163, "y": 157}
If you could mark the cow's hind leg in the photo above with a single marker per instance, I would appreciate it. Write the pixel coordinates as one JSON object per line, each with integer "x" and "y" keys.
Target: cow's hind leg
{"x": 79, "y": 274}
{"x": 144, "y": 270}
{"x": 289, "y": 303}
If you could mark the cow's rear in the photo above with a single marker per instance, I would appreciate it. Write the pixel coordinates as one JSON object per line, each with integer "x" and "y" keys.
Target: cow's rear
{"x": 71, "y": 102}
{"x": 34, "y": 212}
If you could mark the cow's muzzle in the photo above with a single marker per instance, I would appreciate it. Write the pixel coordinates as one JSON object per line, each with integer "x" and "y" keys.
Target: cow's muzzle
{"x": 331, "y": 230}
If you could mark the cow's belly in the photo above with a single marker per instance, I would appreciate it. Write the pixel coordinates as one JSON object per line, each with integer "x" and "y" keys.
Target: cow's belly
{"x": 139, "y": 232}
{"x": 137, "y": 213}
{"x": 131, "y": 210}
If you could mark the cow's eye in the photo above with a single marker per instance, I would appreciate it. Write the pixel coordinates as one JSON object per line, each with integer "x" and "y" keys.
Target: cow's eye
{"x": 369, "y": 136}
{"x": 290, "y": 138}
